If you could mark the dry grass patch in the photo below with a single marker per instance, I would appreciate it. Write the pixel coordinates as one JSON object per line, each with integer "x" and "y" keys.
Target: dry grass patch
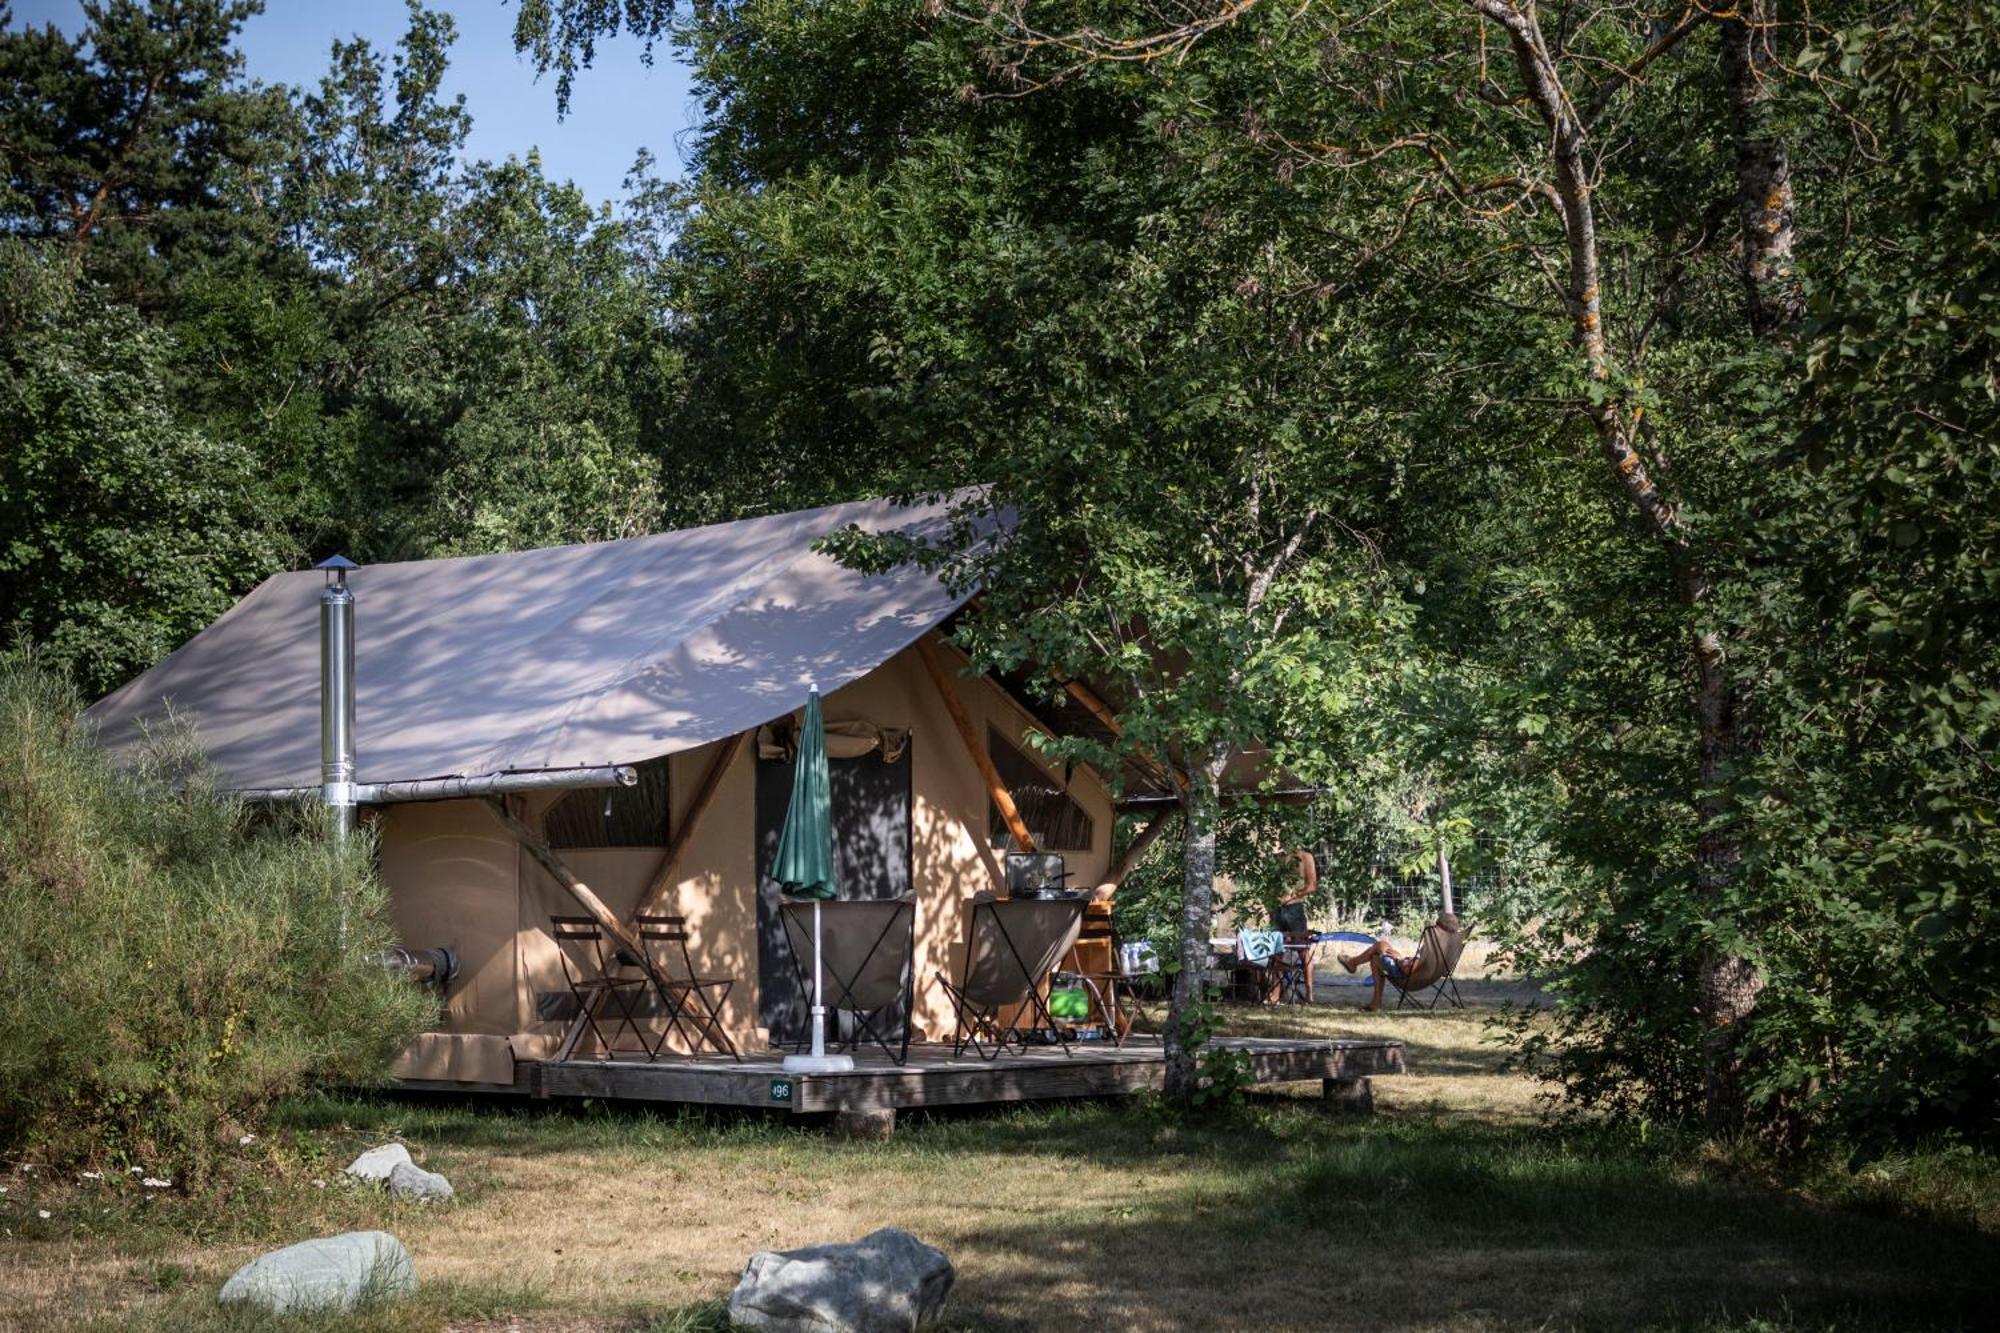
{"x": 1111, "y": 1215}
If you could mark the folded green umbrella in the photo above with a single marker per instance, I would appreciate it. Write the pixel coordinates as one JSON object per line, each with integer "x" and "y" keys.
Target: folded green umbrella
{"x": 804, "y": 864}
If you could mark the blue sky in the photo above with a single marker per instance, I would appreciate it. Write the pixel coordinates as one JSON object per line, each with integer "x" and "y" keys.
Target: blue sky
{"x": 619, "y": 106}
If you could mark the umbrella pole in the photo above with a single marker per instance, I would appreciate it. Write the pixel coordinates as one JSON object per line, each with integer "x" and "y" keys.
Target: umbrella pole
{"x": 819, "y": 1062}
{"x": 818, "y": 879}
{"x": 819, "y": 995}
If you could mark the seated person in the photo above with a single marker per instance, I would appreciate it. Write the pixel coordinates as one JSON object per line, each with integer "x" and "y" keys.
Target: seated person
{"x": 1384, "y": 963}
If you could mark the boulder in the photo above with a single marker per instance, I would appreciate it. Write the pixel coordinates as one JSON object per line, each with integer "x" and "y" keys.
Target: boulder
{"x": 377, "y": 1163}
{"x": 409, "y": 1181}
{"x": 886, "y": 1282}
{"x": 334, "y": 1273}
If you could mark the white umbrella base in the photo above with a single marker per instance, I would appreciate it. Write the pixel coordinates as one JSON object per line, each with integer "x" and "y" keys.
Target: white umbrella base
{"x": 818, "y": 1064}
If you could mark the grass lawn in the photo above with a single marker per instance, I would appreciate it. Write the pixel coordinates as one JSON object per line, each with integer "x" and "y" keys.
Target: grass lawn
{"x": 1453, "y": 1207}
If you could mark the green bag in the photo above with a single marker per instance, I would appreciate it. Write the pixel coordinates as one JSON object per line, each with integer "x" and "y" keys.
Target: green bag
{"x": 1070, "y": 1004}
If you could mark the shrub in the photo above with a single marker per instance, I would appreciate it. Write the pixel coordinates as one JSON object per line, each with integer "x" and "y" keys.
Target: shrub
{"x": 173, "y": 960}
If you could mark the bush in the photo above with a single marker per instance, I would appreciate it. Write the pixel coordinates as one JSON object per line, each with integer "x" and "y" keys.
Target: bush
{"x": 173, "y": 960}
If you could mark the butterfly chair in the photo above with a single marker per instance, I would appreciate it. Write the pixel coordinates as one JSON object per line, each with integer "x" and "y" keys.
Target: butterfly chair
{"x": 693, "y": 1003}
{"x": 1435, "y": 969}
{"x": 590, "y": 966}
{"x": 1012, "y": 945}
{"x": 869, "y": 948}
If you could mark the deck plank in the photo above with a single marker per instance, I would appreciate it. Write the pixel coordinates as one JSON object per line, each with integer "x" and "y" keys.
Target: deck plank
{"x": 933, "y": 1077}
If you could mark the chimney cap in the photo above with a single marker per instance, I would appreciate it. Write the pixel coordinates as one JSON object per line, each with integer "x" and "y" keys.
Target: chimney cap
{"x": 336, "y": 562}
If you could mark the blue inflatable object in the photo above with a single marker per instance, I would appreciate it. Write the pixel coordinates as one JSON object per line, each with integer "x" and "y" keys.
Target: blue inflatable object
{"x": 1339, "y": 974}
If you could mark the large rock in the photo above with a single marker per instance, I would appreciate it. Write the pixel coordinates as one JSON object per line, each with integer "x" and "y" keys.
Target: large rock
{"x": 410, "y": 1181}
{"x": 886, "y": 1282}
{"x": 336, "y": 1273}
{"x": 377, "y": 1163}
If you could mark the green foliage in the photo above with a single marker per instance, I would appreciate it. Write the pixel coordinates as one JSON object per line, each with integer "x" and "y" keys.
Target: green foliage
{"x": 1193, "y": 305}
{"x": 1877, "y": 794}
{"x": 122, "y": 530}
{"x": 1222, "y": 1075}
{"x": 1196, "y": 503}
{"x": 1260, "y": 346}
{"x": 135, "y": 146}
{"x": 173, "y": 963}
{"x": 1859, "y": 572}
{"x": 250, "y": 326}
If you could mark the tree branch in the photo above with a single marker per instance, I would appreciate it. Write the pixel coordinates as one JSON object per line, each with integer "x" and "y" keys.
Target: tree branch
{"x": 1695, "y": 15}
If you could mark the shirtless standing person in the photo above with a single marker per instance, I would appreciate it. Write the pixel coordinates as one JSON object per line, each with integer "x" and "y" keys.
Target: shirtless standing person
{"x": 1289, "y": 920}
{"x": 1290, "y": 916}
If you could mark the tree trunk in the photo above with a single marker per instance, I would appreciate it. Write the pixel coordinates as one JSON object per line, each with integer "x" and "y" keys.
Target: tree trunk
{"x": 1727, "y": 986}
{"x": 1772, "y": 296}
{"x": 1444, "y": 880}
{"x": 1182, "y": 1035}
{"x": 1773, "y": 301}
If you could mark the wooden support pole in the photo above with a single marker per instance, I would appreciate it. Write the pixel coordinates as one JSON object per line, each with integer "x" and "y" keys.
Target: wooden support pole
{"x": 1002, "y": 798}
{"x": 1140, "y": 845}
{"x": 606, "y": 919}
{"x": 656, "y": 892}
{"x": 1089, "y": 698}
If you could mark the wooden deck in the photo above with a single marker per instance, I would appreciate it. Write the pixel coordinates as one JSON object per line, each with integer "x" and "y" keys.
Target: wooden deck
{"x": 932, "y": 1077}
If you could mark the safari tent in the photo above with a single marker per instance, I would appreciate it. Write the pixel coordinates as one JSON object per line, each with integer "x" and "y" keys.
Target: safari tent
{"x": 519, "y": 679}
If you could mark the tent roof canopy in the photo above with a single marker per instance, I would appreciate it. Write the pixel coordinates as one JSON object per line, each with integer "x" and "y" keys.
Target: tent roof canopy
{"x": 565, "y": 657}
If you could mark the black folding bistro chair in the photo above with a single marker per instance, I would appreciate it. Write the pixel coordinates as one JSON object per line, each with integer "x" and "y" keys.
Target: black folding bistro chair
{"x": 1012, "y": 946}
{"x": 869, "y": 949}
{"x": 590, "y": 966}
{"x": 693, "y": 1003}
{"x": 1295, "y": 972}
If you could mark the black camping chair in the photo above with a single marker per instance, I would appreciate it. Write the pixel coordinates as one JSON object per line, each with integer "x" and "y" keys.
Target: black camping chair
{"x": 870, "y": 965}
{"x": 1011, "y": 947}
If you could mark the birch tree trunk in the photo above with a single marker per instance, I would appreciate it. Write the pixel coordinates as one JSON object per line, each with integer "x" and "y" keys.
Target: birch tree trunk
{"x": 1184, "y": 1000}
{"x": 1772, "y": 296}
{"x": 1727, "y": 985}
{"x": 1773, "y": 301}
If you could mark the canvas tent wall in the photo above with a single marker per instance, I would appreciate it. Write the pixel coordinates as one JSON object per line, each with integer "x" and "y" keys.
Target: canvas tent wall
{"x": 616, "y": 653}
{"x": 459, "y": 880}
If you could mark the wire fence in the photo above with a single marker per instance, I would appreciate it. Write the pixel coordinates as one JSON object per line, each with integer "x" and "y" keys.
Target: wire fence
{"x": 1398, "y": 897}
{"x": 1395, "y": 897}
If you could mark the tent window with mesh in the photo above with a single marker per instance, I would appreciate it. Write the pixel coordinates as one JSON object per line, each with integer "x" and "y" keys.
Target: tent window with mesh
{"x": 1058, "y": 823}
{"x": 634, "y": 816}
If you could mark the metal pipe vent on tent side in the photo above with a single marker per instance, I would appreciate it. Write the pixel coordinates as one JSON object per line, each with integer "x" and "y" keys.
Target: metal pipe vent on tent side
{"x": 336, "y": 692}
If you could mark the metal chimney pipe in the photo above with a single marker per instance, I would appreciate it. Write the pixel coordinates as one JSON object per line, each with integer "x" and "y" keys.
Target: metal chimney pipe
{"x": 336, "y": 693}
